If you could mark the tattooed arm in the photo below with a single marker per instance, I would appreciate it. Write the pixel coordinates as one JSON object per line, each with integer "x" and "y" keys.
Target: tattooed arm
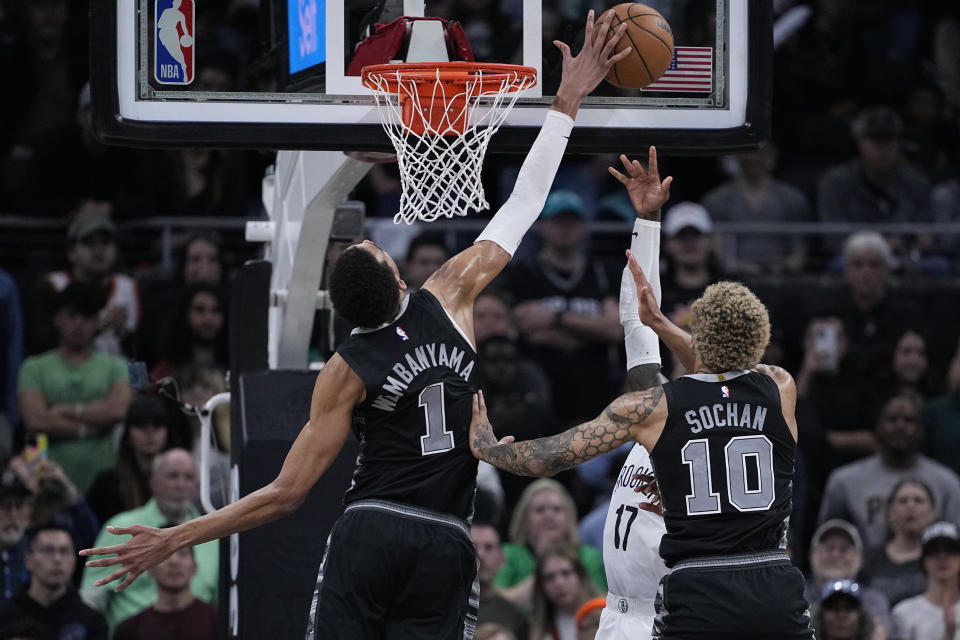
{"x": 637, "y": 416}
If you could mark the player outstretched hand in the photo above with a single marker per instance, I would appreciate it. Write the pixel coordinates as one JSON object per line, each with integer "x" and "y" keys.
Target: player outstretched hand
{"x": 583, "y": 72}
{"x": 148, "y": 547}
{"x": 481, "y": 431}
{"x": 647, "y": 193}
{"x": 649, "y": 311}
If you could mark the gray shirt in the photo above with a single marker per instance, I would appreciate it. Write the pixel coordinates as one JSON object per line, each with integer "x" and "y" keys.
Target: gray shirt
{"x": 858, "y": 492}
{"x": 919, "y": 619}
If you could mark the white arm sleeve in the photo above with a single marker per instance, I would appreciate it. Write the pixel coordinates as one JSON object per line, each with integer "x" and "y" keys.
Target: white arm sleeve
{"x": 522, "y": 208}
{"x": 642, "y": 344}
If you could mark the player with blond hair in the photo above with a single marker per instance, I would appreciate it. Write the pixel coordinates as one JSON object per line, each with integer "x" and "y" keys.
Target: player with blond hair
{"x": 721, "y": 442}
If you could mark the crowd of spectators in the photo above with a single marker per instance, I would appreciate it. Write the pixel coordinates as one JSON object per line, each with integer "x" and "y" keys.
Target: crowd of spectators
{"x": 866, "y": 123}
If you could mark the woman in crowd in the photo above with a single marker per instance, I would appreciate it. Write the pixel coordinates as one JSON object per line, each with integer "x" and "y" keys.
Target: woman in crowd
{"x": 561, "y": 587}
{"x": 910, "y": 370}
{"x": 127, "y": 485}
{"x": 841, "y": 614}
{"x": 894, "y": 569}
{"x": 544, "y": 517}
{"x": 196, "y": 332}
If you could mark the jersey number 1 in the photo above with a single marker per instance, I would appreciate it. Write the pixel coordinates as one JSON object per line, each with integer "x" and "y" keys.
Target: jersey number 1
{"x": 739, "y": 452}
{"x": 438, "y": 438}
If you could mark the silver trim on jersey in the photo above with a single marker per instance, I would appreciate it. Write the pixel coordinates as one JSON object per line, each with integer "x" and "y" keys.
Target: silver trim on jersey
{"x": 738, "y": 561}
{"x": 403, "y": 309}
{"x": 409, "y": 511}
{"x": 716, "y": 377}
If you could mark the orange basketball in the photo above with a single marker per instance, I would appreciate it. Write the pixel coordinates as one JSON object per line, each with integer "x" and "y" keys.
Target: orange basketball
{"x": 652, "y": 41}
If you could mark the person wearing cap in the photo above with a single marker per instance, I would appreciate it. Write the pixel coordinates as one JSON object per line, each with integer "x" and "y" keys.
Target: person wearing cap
{"x": 16, "y": 505}
{"x": 690, "y": 264}
{"x": 566, "y": 309}
{"x": 933, "y": 615}
{"x": 73, "y": 393}
{"x": 857, "y": 492}
{"x": 836, "y": 553}
{"x": 879, "y": 185}
{"x": 92, "y": 253}
{"x": 146, "y": 432}
{"x": 842, "y": 615}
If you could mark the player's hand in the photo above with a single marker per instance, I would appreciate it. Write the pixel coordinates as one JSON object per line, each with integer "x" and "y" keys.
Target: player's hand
{"x": 481, "y": 431}
{"x": 647, "y": 193}
{"x": 583, "y": 72}
{"x": 148, "y": 547}
{"x": 649, "y": 487}
{"x": 649, "y": 311}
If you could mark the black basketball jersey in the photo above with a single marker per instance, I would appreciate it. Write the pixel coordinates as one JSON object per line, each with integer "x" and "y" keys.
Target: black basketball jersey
{"x": 420, "y": 373}
{"x": 724, "y": 464}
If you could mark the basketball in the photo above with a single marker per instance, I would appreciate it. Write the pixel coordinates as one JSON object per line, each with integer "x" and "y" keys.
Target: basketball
{"x": 186, "y": 41}
{"x": 652, "y": 41}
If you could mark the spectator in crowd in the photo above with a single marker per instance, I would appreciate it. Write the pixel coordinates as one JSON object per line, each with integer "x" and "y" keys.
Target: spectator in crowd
{"x": 566, "y": 310}
{"x": 934, "y": 613}
{"x": 494, "y": 608}
{"x": 55, "y": 498}
{"x": 755, "y": 195}
{"x": 836, "y": 553}
{"x": 544, "y": 516}
{"x": 857, "y": 492}
{"x": 92, "y": 252}
{"x": 929, "y": 137}
{"x": 427, "y": 253}
{"x": 74, "y": 393}
{"x": 872, "y": 316}
{"x": 196, "y": 332}
{"x": 127, "y": 485}
{"x": 690, "y": 265}
{"x": 941, "y": 419}
{"x": 199, "y": 383}
{"x": 843, "y": 401}
{"x": 174, "y": 484}
{"x": 491, "y": 316}
{"x": 842, "y": 614}
{"x": 588, "y": 618}
{"x": 910, "y": 368}
{"x": 894, "y": 569}
{"x": 879, "y": 185}
{"x": 946, "y": 54}
{"x": 177, "y": 613}
{"x": 15, "y": 509}
{"x": 562, "y": 585}
{"x": 11, "y": 355}
{"x": 51, "y": 599}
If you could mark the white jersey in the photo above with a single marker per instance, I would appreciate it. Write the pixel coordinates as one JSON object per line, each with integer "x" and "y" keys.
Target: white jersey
{"x": 631, "y": 553}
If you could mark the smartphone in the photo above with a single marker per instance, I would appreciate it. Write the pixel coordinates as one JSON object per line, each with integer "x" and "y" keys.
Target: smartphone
{"x": 825, "y": 343}
{"x": 36, "y": 449}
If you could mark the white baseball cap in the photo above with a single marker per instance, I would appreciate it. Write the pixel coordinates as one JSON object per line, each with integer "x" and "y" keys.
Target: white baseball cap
{"x": 687, "y": 214}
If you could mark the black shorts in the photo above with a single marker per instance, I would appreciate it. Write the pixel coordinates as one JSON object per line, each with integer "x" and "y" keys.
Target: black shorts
{"x": 757, "y": 596}
{"x": 393, "y": 571}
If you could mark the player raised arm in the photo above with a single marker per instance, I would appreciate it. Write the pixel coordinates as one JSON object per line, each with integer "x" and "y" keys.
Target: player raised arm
{"x": 337, "y": 390}
{"x": 458, "y": 282}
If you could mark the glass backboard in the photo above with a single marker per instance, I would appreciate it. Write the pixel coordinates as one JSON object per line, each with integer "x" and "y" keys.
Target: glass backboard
{"x": 275, "y": 73}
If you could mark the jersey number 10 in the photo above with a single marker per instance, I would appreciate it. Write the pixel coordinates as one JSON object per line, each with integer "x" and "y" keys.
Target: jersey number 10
{"x": 740, "y": 452}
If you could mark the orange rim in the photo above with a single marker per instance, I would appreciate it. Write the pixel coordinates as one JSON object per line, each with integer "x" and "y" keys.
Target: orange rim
{"x": 491, "y": 75}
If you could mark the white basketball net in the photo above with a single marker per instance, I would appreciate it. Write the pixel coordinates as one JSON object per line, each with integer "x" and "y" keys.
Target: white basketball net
{"x": 440, "y": 170}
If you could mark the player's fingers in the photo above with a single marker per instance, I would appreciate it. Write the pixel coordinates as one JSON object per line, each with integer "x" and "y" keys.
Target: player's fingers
{"x": 100, "y": 551}
{"x": 652, "y": 161}
{"x": 110, "y": 578}
{"x": 483, "y": 405}
{"x": 104, "y": 562}
{"x": 633, "y": 167}
{"x": 564, "y": 49}
{"x": 666, "y": 183}
{"x": 126, "y": 583}
{"x": 588, "y": 30}
{"x": 612, "y": 36}
{"x": 619, "y": 56}
{"x": 122, "y": 531}
{"x": 506, "y": 440}
{"x": 619, "y": 176}
{"x": 638, "y": 277}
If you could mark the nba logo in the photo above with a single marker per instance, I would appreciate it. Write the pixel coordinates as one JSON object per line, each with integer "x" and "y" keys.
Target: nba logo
{"x": 725, "y": 391}
{"x": 403, "y": 334}
{"x": 173, "y": 41}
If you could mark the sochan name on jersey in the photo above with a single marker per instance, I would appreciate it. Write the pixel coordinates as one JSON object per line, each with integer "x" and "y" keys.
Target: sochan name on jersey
{"x": 729, "y": 414}
{"x": 416, "y": 362}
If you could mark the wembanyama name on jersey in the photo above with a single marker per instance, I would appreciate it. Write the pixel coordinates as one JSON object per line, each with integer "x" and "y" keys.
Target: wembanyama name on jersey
{"x": 415, "y": 362}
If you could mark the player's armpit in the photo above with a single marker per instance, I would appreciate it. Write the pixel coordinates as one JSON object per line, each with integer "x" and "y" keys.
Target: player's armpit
{"x": 624, "y": 420}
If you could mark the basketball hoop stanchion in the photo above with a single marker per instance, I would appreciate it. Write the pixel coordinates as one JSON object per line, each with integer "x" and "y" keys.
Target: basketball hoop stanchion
{"x": 440, "y": 117}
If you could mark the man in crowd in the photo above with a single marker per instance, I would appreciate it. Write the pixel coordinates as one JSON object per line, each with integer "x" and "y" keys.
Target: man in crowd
{"x": 934, "y": 613}
{"x": 177, "y": 613}
{"x": 858, "y": 492}
{"x": 51, "y": 599}
{"x": 15, "y": 506}
{"x": 427, "y": 253}
{"x": 494, "y": 608}
{"x": 174, "y": 484}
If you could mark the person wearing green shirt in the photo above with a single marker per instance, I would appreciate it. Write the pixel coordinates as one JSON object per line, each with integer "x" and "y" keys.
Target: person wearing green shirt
{"x": 74, "y": 394}
{"x": 544, "y": 516}
{"x": 174, "y": 484}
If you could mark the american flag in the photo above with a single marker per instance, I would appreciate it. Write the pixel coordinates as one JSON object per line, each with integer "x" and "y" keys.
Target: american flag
{"x": 690, "y": 70}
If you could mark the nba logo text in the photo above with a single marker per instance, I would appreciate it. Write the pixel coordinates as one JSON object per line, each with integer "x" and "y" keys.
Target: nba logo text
{"x": 173, "y": 42}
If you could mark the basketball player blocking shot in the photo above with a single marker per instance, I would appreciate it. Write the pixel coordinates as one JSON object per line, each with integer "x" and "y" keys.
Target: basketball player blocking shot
{"x": 721, "y": 444}
{"x": 400, "y": 561}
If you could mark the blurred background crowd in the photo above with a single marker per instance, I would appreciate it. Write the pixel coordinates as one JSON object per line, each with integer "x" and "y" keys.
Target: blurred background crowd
{"x": 847, "y": 225}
